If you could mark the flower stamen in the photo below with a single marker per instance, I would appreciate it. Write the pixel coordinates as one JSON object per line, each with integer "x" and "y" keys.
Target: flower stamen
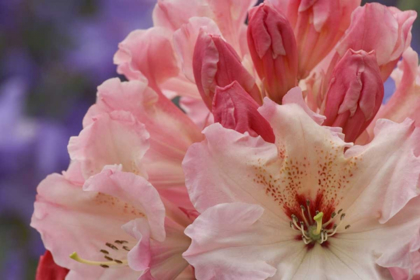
{"x": 107, "y": 264}
{"x": 312, "y": 229}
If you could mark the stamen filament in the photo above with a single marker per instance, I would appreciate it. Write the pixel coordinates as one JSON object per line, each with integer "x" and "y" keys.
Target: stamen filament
{"x": 309, "y": 211}
{"x": 76, "y": 257}
{"x": 304, "y": 216}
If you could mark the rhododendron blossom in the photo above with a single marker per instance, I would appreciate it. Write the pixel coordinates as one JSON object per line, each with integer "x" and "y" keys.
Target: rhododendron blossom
{"x": 278, "y": 162}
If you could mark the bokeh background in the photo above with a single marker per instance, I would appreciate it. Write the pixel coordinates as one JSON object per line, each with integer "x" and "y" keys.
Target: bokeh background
{"x": 53, "y": 55}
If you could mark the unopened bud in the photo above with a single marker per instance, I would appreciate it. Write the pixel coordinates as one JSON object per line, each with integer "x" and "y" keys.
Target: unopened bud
{"x": 354, "y": 94}
{"x": 273, "y": 49}
{"x": 216, "y": 64}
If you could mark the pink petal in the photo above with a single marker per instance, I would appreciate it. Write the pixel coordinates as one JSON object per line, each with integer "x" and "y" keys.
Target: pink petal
{"x": 295, "y": 96}
{"x": 405, "y": 101}
{"x": 197, "y": 110}
{"x": 147, "y": 53}
{"x": 159, "y": 260}
{"x": 226, "y": 248}
{"x": 117, "y": 138}
{"x": 135, "y": 191}
{"x": 391, "y": 171}
{"x": 222, "y": 150}
{"x": 86, "y": 221}
{"x": 172, "y": 132}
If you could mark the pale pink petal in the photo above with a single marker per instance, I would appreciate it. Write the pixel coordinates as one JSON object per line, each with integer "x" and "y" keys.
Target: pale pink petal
{"x": 160, "y": 260}
{"x": 222, "y": 150}
{"x": 366, "y": 34}
{"x": 392, "y": 242}
{"x": 172, "y": 14}
{"x": 133, "y": 190}
{"x": 229, "y": 15}
{"x": 405, "y": 102}
{"x": 149, "y": 54}
{"x": 389, "y": 39}
{"x": 390, "y": 176}
{"x": 86, "y": 221}
{"x": 248, "y": 168}
{"x": 172, "y": 132}
{"x": 180, "y": 86}
{"x": 295, "y": 96}
{"x": 115, "y": 138}
{"x": 229, "y": 242}
{"x": 197, "y": 110}
{"x": 139, "y": 256}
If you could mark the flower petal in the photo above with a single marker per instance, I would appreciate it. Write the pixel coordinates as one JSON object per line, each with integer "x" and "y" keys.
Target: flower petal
{"x": 147, "y": 54}
{"x": 224, "y": 247}
{"x": 135, "y": 191}
{"x": 115, "y": 138}
{"x": 172, "y": 132}
{"x": 85, "y": 220}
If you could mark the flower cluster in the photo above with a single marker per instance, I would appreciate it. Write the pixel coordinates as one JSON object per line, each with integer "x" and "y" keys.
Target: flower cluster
{"x": 283, "y": 163}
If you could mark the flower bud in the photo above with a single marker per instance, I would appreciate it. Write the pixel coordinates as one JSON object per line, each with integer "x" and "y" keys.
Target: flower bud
{"x": 233, "y": 108}
{"x": 354, "y": 94}
{"x": 389, "y": 39}
{"x": 273, "y": 49}
{"x": 317, "y": 25}
{"x": 216, "y": 64}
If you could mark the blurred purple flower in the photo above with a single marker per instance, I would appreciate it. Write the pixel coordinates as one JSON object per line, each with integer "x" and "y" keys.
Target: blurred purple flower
{"x": 97, "y": 37}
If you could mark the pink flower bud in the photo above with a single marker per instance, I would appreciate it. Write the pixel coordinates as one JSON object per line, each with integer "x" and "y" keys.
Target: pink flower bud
{"x": 389, "y": 39}
{"x": 216, "y": 64}
{"x": 273, "y": 50}
{"x": 318, "y": 26}
{"x": 233, "y": 108}
{"x": 355, "y": 93}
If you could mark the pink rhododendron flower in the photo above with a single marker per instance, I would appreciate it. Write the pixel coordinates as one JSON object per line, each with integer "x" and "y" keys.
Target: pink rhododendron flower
{"x": 300, "y": 171}
{"x": 303, "y": 208}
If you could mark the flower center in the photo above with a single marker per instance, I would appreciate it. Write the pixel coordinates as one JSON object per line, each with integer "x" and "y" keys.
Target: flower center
{"x": 110, "y": 260}
{"x": 312, "y": 228}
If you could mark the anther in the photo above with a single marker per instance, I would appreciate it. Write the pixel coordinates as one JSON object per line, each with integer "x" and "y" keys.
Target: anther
{"x": 339, "y": 211}
{"x": 104, "y": 265}
{"x": 302, "y": 207}
{"x": 308, "y": 202}
{"x": 111, "y": 246}
{"x": 104, "y": 251}
{"x": 118, "y": 261}
{"x": 342, "y": 216}
{"x": 108, "y": 258}
{"x": 126, "y": 248}
{"x": 333, "y": 215}
{"x": 347, "y": 227}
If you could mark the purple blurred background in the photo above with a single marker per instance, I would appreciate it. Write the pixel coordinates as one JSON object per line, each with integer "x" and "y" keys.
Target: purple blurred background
{"x": 53, "y": 55}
